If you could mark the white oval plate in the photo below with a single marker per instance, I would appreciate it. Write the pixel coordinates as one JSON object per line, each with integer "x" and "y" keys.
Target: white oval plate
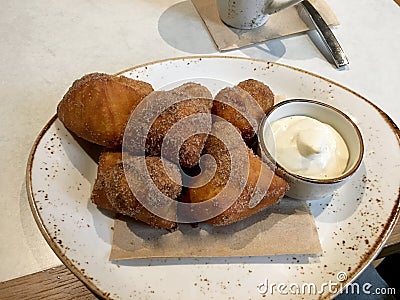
{"x": 352, "y": 226}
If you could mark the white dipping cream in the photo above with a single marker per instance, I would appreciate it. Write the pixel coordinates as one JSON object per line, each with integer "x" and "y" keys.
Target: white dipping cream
{"x": 308, "y": 147}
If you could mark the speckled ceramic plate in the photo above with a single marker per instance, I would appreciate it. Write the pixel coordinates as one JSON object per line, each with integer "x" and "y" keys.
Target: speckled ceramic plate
{"x": 352, "y": 226}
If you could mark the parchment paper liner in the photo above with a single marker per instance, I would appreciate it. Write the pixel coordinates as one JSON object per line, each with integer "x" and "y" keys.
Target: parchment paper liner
{"x": 285, "y": 228}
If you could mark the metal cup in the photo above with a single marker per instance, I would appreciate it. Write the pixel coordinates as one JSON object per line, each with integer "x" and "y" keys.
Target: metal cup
{"x": 249, "y": 14}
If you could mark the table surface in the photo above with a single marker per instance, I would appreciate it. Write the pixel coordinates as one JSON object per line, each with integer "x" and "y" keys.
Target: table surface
{"x": 46, "y": 45}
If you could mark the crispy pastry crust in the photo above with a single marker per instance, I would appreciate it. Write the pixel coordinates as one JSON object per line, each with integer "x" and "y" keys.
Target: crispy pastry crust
{"x": 111, "y": 189}
{"x": 244, "y": 106}
{"x": 261, "y": 183}
{"x": 196, "y": 99}
{"x": 97, "y": 107}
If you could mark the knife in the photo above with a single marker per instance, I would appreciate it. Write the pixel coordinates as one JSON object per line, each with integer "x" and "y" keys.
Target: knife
{"x": 308, "y": 13}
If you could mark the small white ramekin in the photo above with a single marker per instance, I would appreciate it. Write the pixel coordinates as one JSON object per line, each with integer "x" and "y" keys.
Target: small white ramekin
{"x": 301, "y": 187}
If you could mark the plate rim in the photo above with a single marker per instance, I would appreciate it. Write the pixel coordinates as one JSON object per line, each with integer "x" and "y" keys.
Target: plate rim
{"x": 38, "y": 219}
{"x": 394, "y": 216}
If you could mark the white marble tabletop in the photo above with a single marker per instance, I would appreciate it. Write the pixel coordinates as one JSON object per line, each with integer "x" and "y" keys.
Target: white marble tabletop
{"x": 45, "y": 45}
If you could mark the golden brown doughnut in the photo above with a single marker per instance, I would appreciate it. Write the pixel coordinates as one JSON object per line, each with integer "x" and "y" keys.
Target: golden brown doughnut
{"x": 112, "y": 191}
{"x": 260, "y": 92}
{"x": 244, "y": 106}
{"x": 193, "y": 100}
{"x": 97, "y": 107}
{"x": 270, "y": 187}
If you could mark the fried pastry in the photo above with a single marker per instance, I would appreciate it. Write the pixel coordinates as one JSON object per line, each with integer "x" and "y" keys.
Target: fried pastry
{"x": 97, "y": 107}
{"x": 107, "y": 160}
{"x": 195, "y": 99}
{"x": 112, "y": 191}
{"x": 260, "y": 92}
{"x": 244, "y": 106}
{"x": 262, "y": 188}
{"x": 177, "y": 133}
